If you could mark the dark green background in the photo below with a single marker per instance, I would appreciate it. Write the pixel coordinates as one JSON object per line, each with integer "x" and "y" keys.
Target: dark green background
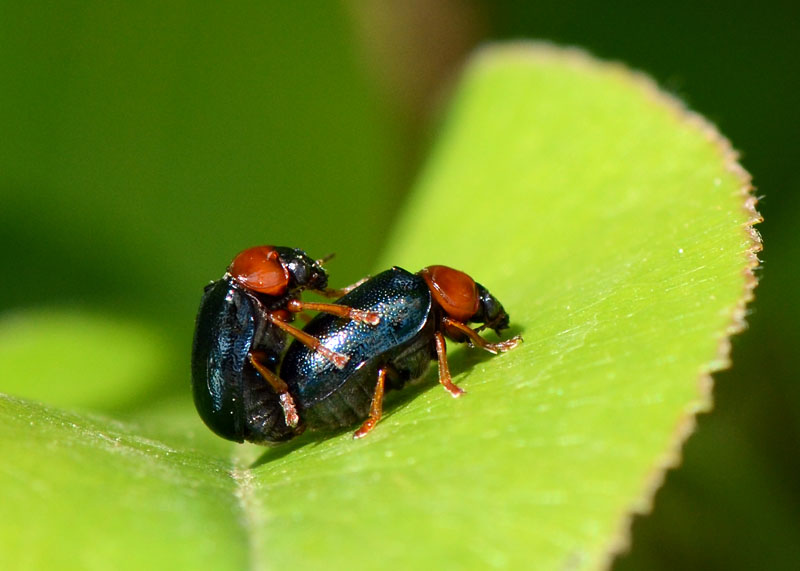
{"x": 144, "y": 143}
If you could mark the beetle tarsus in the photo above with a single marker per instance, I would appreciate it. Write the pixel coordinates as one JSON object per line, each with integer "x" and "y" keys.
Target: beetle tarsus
{"x": 289, "y": 410}
{"x": 338, "y": 359}
{"x": 370, "y": 317}
{"x": 477, "y": 341}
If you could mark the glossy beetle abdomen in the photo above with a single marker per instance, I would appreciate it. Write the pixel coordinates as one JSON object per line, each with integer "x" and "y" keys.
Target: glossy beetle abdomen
{"x": 331, "y": 397}
{"x": 231, "y": 397}
{"x": 223, "y": 334}
{"x": 351, "y": 402}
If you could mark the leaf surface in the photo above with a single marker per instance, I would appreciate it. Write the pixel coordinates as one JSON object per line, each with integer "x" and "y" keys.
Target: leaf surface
{"x": 615, "y": 228}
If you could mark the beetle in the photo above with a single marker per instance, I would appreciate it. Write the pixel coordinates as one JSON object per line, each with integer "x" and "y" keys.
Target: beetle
{"x": 417, "y": 312}
{"x": 241, "y": 332}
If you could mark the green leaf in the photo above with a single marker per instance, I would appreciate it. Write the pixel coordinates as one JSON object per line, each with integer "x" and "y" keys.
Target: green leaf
{"x": 614, "y": 226}
{"x": 87, "y": 493}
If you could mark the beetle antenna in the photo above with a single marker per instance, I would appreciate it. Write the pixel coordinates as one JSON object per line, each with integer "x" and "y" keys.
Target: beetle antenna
{"x": 324, "y": 259}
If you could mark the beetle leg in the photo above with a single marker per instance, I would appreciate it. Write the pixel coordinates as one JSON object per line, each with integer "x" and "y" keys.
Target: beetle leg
{"x": 444, "y": 370}
{"x": 296, "y": 306}
{"x": 330, "y": 292}
{"x": 375, "y": 409}
{"x": 280, "y": 387}
{"x": 477, "y": 340}
{"x": 310, "y": 341}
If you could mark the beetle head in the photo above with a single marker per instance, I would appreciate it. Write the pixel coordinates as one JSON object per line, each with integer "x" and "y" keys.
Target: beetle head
{"x": 490, "y": 311}
{"x": 454, "y": 291}
{"x": 463, "y": 299}
{"x": 304, "y": 272}
{"x": 261, "y": 270}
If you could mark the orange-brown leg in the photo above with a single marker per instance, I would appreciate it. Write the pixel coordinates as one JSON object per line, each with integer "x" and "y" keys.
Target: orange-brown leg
{"x": 444, "y": 370}
{"x": 296, "y": 306}
{"x": 478, "y": 341}
{"x": 280, "y": 387}
{"x": 340, "y": 292}
{"x": 376, "y": 408}
{"x": 310, "y": 341}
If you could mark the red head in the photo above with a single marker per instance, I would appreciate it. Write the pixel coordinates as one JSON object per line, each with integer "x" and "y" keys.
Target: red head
{"x": 260, "y": 269}
{"x": 454, "y": 291}
{"x": 274, "y": 270}
{"x": 463, "y": 299}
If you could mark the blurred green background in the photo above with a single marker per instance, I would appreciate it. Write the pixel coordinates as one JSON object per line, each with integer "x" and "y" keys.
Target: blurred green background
{"x": 145, "y": 143}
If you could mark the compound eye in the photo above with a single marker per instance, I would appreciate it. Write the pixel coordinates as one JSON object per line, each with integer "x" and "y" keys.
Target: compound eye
{"x": 259, "y": 269}
{"x": 454, "y": 291}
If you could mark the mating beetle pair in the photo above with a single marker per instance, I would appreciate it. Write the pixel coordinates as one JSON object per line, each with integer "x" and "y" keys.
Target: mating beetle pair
{"x": 383, "y": 333}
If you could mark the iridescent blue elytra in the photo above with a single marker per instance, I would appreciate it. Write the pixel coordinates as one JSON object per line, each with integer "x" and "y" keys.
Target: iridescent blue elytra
{"x": 417, "y": 312}
{"x": 329, "y": 397}
{"x": 230, "y": 395}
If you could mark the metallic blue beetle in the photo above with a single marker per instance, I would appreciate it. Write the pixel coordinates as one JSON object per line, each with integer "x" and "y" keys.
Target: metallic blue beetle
{"x": 241, "y": 332}
{"x": 416, "y": 312}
